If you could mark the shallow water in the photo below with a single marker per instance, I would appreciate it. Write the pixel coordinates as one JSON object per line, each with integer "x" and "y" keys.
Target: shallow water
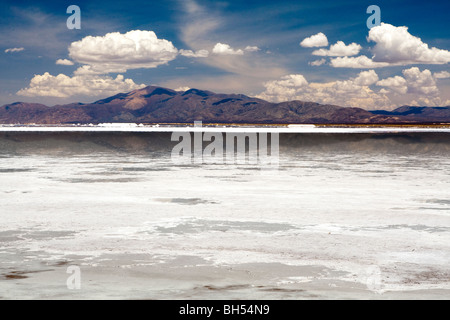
{"x": 343, "y": 216}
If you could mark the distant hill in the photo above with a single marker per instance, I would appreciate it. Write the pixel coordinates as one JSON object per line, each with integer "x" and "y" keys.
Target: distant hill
{"x": 162, "y": 105}
{"x": 419, "y": 114}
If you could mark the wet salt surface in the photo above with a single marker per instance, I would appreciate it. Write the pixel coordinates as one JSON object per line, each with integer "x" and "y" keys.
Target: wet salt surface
{"x": 327, "y": 224}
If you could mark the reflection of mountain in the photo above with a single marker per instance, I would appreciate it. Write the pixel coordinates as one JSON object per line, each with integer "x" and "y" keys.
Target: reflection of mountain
{"x": 155, "y": 104}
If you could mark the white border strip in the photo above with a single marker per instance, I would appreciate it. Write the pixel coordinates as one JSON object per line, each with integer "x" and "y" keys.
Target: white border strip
{"x": 292, "y": 129}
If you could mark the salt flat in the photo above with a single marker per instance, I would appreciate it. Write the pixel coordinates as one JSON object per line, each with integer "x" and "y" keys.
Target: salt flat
{"x": 335, "y": 220}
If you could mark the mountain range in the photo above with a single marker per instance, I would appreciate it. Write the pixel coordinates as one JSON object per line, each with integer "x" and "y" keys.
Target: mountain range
{"x": 161, "y": 105}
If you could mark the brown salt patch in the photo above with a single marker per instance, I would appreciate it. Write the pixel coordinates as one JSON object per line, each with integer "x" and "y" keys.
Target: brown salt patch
{"x": 18, "y": 275}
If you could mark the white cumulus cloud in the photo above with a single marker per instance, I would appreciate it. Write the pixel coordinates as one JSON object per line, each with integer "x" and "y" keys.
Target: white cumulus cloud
{"x": 317, "y": 40}
{"x": 354, "y": 92}
{"x": 182, "y": 89}
{"x": 421, "y": 82}
{"x": 339, "y": 49}
{"x": 63, "y": 86}
{"x": 317, "y": 63}
{"x": 360, "y": 62}
{"x": 396, "y": 84}
{"x": 64, "y": 62}
{"x": 116, "y": 52}
{"x": 395, "y": 45}
{"x": 414, "y": 87}
{"x": 225, "y": 49}
{"x": 292, "y": 80}
{"x": 366, "y": 78}
{"x": 442, "y": 75}
{"x": 251, "y": 48}
{"x": 192, "y": 54}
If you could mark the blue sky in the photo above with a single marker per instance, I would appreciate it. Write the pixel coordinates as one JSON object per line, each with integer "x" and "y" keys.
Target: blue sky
{"x": 250, "y": 47}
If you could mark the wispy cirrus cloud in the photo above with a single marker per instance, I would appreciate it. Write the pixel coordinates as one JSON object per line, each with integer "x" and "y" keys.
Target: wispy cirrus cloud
{"x": 12, "y": 50}
{"x": 45, "y": 33}
{"x": 206, "y": 28}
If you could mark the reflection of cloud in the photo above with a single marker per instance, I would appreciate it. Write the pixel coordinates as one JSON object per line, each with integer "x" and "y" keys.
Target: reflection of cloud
{"x": 62, "y": 86}
{"x": 116, "y": 52}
